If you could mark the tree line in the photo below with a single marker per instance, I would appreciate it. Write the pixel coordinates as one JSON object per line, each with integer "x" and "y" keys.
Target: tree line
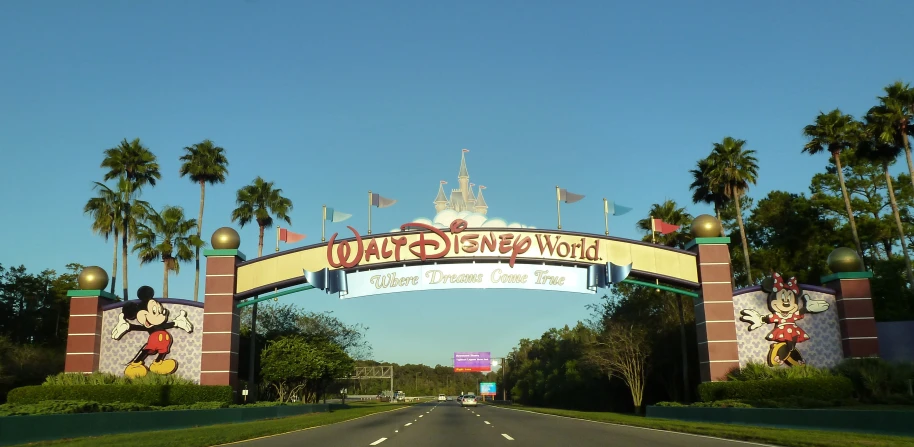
{"x": 639, "y": 346}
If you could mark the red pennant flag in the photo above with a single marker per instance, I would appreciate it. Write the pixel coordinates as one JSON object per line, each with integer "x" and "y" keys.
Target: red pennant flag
{"x": 289, "y": 237}
{"x": 663, "y": 227}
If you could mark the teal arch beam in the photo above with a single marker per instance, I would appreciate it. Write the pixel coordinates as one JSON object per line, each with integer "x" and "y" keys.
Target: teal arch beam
{"x": 661, "y": 287}
{"x": 274, "y": 295}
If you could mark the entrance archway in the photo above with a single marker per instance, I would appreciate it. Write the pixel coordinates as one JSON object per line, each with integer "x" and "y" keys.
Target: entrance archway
{"x": 423, "y": 257}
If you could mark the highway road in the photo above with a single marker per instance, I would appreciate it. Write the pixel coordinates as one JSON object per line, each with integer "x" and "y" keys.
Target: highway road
{"x": 446, "y": 424}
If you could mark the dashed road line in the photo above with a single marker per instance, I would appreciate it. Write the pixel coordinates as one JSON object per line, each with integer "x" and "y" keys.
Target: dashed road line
{"x": 503, "y": 434}
{"x": 408, "y": 424}
{"x": 384, "y": 439}
{"x": 487, "y": 422}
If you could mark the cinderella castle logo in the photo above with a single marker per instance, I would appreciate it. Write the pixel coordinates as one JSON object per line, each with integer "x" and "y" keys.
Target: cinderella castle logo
{"x": 462, "y": 198}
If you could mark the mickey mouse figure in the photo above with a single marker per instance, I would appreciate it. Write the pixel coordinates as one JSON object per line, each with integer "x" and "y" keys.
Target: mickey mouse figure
{"x": 152, "y": 318}
{"x": 785, "y": 305}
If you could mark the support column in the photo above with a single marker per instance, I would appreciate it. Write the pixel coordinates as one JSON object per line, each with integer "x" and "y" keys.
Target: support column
{"x": 221, "y": 319}
{"x": 716, "y": 329}
{"x": 84, "y": 337}
{"x": 859, "y": 337}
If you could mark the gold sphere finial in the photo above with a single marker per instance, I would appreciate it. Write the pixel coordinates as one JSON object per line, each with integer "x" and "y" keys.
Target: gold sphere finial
{"x": 92, "y": 278}
{"x": 226, "y": 238}
{"x": 845, "y": 259}
{"x": 706, "y": 225}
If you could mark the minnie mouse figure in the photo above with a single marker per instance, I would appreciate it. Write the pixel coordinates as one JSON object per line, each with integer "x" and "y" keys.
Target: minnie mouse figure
{"x": 152, "y": 318}
{"x": 785, "y": 304}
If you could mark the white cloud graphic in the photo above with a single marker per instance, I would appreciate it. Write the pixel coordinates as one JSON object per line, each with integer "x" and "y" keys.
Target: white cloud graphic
{"x": 474, "y": 220}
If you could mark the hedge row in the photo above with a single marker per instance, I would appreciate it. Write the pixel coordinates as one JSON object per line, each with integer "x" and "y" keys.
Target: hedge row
{"x": 818, "y": 388}
{"x": 72, "y": 407}
{"x": 153, "y": 395}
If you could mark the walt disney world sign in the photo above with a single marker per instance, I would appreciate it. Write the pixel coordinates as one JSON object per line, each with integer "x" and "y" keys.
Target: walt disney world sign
{"x": 342, "y": 260}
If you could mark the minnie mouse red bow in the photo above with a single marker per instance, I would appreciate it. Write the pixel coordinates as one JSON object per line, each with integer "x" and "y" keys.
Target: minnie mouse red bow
{"x": 791, "y": 283}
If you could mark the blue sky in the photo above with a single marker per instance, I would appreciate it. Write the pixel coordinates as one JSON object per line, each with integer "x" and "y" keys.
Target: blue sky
{"x": 329, "y": 100}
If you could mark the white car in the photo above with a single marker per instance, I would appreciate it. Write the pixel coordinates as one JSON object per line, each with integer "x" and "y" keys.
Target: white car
{"x": 468, "y": 401}
{"x": 442, "y": 398}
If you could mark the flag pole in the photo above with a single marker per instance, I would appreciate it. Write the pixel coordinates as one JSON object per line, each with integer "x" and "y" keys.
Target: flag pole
{"x": 654, "y": 241}
{"x": 558, "y": 205}
{"x": 278, "y": 229}
{"x": 606, "y": 215}
{"x": 369, "y": 211}
{"x": 323, "y": 223}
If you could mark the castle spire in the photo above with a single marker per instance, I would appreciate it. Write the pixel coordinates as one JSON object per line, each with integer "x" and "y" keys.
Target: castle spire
{"x": 463, "y": 165}
{"x": 481, "y": 206}
{"x": 441, "y": 199}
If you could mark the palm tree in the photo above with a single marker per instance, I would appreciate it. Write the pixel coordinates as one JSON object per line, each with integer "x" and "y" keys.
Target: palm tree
{"x": 138, "y": 165}
{"x": 166, "y": 236}
{"x": 897, "y": 106}
{"x": 835, "y": 132}
{"x": 105, "y": 211}
{"x": 205, "y": 163}
{"x": 881, "y": 145}
{"x": 702, "y": 191}
{"x": 733, "y": 168}
{"x": 672, "y": 213}
{"x": 257, "y": 202}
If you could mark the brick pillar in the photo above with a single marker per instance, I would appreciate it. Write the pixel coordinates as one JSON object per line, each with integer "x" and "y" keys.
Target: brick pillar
{"x": 221, "y": 320}
{"x": 716, "y": 329}
{"x": 855, "y": 313}
{"x": 84, "y": 337}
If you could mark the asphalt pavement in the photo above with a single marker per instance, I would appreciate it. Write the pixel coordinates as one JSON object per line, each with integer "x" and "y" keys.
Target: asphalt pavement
{"x": 446, "y": 424}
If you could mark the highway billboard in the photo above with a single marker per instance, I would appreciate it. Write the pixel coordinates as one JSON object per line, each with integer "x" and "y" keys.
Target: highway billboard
{"x": 487, "y": 389}
{"x": 472, "y": 362}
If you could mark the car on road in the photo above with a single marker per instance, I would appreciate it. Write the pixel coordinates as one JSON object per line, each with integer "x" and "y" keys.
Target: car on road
{"x": 442, "y": 398}
{"x": 468, "y": 401}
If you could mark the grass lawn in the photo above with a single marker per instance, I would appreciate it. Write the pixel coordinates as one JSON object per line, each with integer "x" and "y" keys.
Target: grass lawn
{"x": 775, "y": 436}
{"x": 225, "y": 433}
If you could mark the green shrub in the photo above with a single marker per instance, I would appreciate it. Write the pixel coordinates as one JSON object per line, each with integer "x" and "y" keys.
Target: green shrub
{"x": 875, "y": 379}
{"x": 72, "y": 406}
{"x": 153, "y": 395}
{"x": 727, "y": 403}
{"x": 99, "y": 378}
{"x": 669, "y": 404}
{"x": 821, "y": 388}
{"x": 761, "y": 371}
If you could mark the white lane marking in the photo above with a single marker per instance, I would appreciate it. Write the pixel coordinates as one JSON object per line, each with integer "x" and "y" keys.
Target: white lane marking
{"x": 503, "y": 434}
{"x": 477, "y": 415}
{"x": 384, "y": 439}
{"x": 487, "y": 422}
{"x": 396, "y": 431}
{"x": 408, "y": 424}
{"x": 640, "y": 428}
{"x": 309, "y": 428}
{"x": 421, "y": 415}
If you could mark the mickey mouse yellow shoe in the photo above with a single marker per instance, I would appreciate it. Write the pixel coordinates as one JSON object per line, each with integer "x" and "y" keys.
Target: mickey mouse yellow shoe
{"x": 164, "y": 367}
{"x": 135, "y": 369}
